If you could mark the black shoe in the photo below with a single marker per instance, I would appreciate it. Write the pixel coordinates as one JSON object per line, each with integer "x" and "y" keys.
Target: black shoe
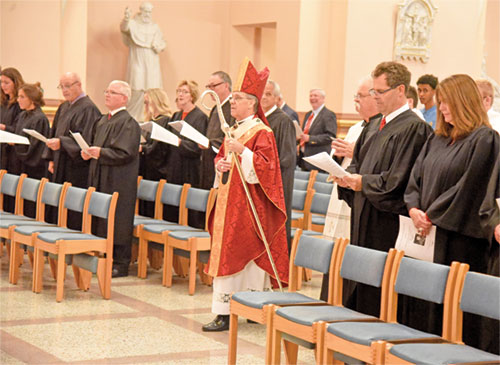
{"x": 250, "y": 321}
{"x": 119, "y": 272}
{"x": 220, "y": 323}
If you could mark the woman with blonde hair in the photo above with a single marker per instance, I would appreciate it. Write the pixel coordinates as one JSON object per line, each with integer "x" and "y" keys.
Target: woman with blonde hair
{"x": 449, "y": 183}
{"x": 184, "y": 162}
{"x": 153, "y": 164}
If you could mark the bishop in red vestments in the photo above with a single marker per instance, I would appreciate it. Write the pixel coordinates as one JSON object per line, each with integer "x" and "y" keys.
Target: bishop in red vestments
{"x": 238, "y": 259}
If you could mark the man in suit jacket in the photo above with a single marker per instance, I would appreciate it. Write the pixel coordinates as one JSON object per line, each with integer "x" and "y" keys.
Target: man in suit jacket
{"x": 319, "y": 126}
{"x": 284, "y": 106}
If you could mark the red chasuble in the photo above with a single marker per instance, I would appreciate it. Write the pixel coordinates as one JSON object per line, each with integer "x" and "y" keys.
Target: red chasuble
{"x": 235, "y": 236}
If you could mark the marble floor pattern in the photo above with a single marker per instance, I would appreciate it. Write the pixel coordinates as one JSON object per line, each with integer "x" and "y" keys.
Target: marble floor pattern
{"x": 142, "y": 323}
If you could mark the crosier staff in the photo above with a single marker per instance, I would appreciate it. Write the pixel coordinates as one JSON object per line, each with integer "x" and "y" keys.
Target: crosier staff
{"x": 227, "y": 133}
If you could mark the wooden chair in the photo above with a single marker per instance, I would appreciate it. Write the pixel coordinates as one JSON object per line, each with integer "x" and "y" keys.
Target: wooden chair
{"x": 182, "y": 238}
{"x": 360, "y": 340}
{"x": 309, "y": 176}
{"x": 22, "y": 235}
{"x": 319, "y": 208}
{"x": 310, "y": 252}
{"x": 147, "y": 191}
{"x": 301, "y": 205}
{"x": 304, "y": 326}
{"x": 171, "y": 194}
{"x": 90, "y": 252}
{"x": 10, "y": 186}
{"x": 479, "y": 294}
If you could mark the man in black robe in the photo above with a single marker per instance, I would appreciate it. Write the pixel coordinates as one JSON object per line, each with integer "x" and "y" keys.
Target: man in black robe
{"x": 77, "y": 114}
{"x": 114, "y": 167}
{"x": 380, "y": 170}
{"x": 221, "y": 84}
{"x": 284, "y": 133}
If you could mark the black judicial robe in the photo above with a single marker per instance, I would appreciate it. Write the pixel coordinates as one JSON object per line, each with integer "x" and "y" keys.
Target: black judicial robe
{"x": 451, "y": 190}
{"x": 8, "y": 116}
{"x": 154, "y": 154}
{"x": 215, "y": 136}
{"x": 284, "y": 133}
{"x": 184, "y": 163}
{"x": 384, "y": 160}
{"x": 116, "y": 170}
{"x": 68, "y": 163}
{"x": 29, "y": 157}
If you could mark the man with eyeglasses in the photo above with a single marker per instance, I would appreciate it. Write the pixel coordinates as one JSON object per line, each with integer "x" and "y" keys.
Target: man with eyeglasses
{"x": 238, "y": 259}
{"x": 77, "y": 114}
{"x": 379, "y": 173}
{"x": 221, "y": 84}
{"x": 114, "y": 166}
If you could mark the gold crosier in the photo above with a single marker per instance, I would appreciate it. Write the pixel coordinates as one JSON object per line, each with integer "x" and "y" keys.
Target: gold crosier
{"x": 227, "y": 132}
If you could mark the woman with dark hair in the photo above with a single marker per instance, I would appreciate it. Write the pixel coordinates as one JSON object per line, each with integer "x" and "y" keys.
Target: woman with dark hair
{"x": 449, "y": 182}
{"x": 11, "y": 81}
{"x": 29, "y": 157}
{"x": 184, "y": 162}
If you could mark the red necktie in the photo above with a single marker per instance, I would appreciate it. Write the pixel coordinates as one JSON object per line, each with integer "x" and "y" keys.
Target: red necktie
{"x": 109, "y": 116}
{"x": 306, "y": 128}
{"x": 382, "y": 124}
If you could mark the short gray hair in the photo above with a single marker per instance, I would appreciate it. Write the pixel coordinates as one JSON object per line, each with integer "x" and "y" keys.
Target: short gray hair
{"x": 224, "y": 77}
{"x": 321, "y": 91}
{"x": 124, "y": 88}
{"x": 276, "y": 88}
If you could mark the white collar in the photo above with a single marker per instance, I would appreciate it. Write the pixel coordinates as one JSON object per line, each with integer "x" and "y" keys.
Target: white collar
{"x": 250, "y": 117}
{"x": 270, "y": 111}
{"x": 113, "y": 112}
{"x": 396, "y": 112}
{"x": 226, "y": 99}
{"x": 316, "y": 111}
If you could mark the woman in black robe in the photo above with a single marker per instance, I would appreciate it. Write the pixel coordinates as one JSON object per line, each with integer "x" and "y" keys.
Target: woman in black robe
{"x": 11, "y": 80}
{"x": 153, "y": 153}
{"x": 448, "y": 184}
{"x": 184, "y": 162}
{"x": 28, "y": 158}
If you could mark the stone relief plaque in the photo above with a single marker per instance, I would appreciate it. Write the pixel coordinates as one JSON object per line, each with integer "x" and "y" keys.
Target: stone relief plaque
{"x": 413, "y": 30}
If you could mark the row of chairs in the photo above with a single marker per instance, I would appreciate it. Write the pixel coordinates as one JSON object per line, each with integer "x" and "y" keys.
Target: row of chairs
{"x": 340, "y": 334}
{"x": 173, "y": 238}
{"x": 87, "y": 253}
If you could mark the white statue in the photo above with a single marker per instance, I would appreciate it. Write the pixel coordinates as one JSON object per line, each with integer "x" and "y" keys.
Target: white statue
{"x": 145, "y": 41}
{"x": 413, "y": 31}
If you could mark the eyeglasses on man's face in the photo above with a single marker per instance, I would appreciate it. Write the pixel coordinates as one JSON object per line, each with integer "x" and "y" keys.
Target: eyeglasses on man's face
{"x": 374, "y": 92}
{"x": 213, "y": 86}
{"x": 66, "y": 87}
{"x": 360, "y": 96}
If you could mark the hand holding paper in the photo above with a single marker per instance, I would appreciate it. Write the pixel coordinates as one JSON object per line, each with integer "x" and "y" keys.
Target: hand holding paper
{"x": 326, "y": 163}
{"x": 7, "y": 137}
{"x": 160, "y": 134}
{"x": 83, "y": 144}
{"x": 189, "y": 132}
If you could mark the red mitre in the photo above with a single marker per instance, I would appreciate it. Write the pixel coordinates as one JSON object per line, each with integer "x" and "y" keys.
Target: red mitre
{"x": 252, "y": 82}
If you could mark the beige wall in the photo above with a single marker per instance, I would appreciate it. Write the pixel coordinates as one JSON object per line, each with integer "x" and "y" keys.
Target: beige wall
{"x": 305, "y": 43}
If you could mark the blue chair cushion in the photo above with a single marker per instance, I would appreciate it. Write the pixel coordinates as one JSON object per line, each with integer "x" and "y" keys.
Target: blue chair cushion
{"x": 297, "y": 215}
{"x": 139, "y": 219}
{"x": 365, "y": 333}
{"x": 440, "y": 353}
{"x": 187, "y": 234}
{"x": 318, "y": 219}
{"x": 258, "y": 299}
{"x": 52, "y": 237}
{"x": 160, "y": 228}
{"x": 30, "y": 229}
{"x": 6, "y": 223}
{"x": 308, "y": 315}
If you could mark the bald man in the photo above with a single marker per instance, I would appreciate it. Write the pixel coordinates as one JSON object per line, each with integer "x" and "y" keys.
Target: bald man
{"x": 77, "y": 114}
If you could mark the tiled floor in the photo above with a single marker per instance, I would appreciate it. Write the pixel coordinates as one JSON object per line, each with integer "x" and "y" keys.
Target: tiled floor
{"x": 143, "y": 323}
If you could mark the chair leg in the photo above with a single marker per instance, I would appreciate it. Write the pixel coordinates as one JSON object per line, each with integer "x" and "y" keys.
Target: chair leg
{"x": 192, "y": 269}
{"x": 155, "y": 259}
{"x": 31, "y": 259}
{"x": 82, "y": 278}
{"x": 61, "y": 271}
{"x": 276, "y": 347}
{"x": 320, "y": 342}
{"x": 168, "y": 261}
{"x": 107, "y": 276}
{"x": 291, "y": 352}
{"x": 38, "y": 271}
{"x": 233, "y": 339}
{"x": 142, "y": 270}
{"x": 14, "y": 263}
{"x": 269, "y": 312}
{"x": 53, "y": 267}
